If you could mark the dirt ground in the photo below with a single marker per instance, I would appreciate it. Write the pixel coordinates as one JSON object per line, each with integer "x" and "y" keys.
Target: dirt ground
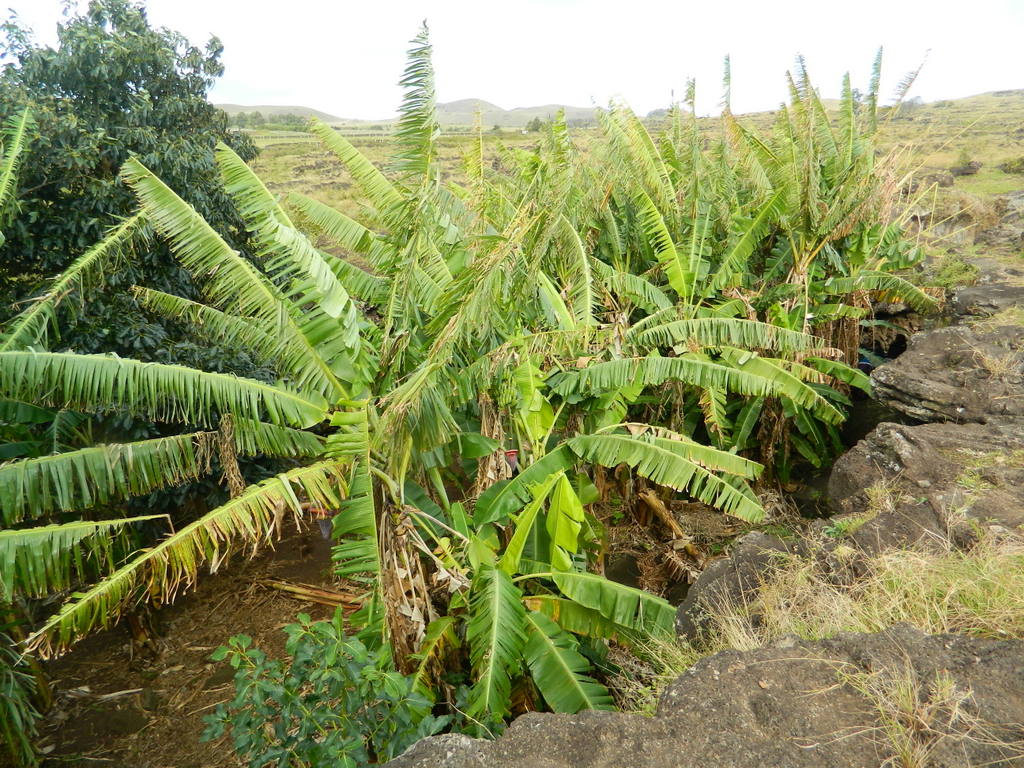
{"x": 143, "y": 708}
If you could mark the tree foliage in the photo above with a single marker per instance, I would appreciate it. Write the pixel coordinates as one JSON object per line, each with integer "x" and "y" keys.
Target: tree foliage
{"x": 113, "y": 87}
{"x": 333, "y": 702}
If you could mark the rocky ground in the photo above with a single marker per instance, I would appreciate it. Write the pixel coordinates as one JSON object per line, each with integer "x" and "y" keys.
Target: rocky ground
{"x": 897, "y": 697}
{"x": 797, "y": 704}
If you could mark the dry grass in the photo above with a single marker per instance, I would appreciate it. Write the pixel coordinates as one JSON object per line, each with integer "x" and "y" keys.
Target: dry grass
{"x": 1000, "y": 365}
{"x": 918, "y": 716}
{"x": 1006, "y": 363}
{"x": 972, "y": 478}
{"x": 1010, "y": 316}
{"x": 882, "y": 497}
{"x": 297, "y": 162}
{"x": 978, "y": 592}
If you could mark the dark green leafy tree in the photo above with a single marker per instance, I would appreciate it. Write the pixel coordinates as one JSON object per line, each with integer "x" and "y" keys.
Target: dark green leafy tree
{"x": 112, "y": 87}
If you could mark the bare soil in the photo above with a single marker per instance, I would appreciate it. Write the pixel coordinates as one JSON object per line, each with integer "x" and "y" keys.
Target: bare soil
{"x": 124, "y": 707}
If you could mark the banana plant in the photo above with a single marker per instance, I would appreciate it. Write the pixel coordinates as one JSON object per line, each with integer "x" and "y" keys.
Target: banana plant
{"x": 788, "y": 230}
{"x": 13, "y": 145}
{"x": 298, "y": 313}
{"x": 548, "y": 310}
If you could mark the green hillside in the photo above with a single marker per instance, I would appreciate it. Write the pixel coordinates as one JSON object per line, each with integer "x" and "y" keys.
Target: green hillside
{"x": 273, "y": 110}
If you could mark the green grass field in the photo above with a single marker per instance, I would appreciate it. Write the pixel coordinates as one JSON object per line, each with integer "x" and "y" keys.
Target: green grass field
{"x": 988, "y": 128}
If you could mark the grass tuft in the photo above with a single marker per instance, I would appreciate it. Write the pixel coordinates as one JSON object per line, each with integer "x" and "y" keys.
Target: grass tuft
{"x": 1010, "y": 316}
{"x": 916, "y": 716}
{"x": 951, "y": 271}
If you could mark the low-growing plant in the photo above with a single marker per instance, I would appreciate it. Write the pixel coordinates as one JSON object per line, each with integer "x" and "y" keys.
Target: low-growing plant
{"x": 883, "y": 496}
{"x": 918, "y": 715}
{"x": 952, "y": 271}
{"x": 654, "y": 663}
{"x": 333, "y": 702}
{"x": 1016, "y": 165}
{"x": 972, "y": 480}
{"x": 839, "y": 529}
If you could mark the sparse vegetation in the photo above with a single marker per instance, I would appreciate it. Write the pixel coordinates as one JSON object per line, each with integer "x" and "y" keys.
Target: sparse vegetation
{"x": 950, "y": 271}
{"x": 1010, "y": 316}
{"x": 1016, "y": 165}
{"x": 1001, "y": 364}
{"x": 840, "y": 528}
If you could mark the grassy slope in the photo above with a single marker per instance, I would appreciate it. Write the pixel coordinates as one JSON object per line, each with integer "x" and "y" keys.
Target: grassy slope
{"x": 988, "y": 128}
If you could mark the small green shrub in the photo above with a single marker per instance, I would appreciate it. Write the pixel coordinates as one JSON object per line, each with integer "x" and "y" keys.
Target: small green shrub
{"x": 334, "y": 703}
{"x": 1013, "y": 166}
{"x": 840, "y": 529}
{"x": 951, "y": 271}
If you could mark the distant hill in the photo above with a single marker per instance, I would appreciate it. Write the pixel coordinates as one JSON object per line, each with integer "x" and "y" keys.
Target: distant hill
{"x": 467, "y": 107}
{"x": 463, "y": 111}
{"x": 272, "y": 110}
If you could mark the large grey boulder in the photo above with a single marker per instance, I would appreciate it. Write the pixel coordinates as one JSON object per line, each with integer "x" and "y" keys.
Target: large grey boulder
{"x": 903, "y": 485}
{"x": 958, "y": 374}
{"x": 797, "y": 704}
{"x": 729, "y": 580}
{"x": 1000, "y": 283}
{"x": 983, "y": 299}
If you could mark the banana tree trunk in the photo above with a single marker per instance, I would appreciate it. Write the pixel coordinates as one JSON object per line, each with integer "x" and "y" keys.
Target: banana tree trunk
{"x": 407, "y": 605}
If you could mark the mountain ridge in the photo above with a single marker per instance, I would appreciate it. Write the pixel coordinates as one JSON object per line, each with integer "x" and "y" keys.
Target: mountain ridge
{"x": 462, "y": 112}
{"x": 458, "y": 112}
{"x": 274, "y": 110}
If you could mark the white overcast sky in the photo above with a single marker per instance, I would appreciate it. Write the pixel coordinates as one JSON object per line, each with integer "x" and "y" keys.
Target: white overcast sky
{"x": 345, "y": 56}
